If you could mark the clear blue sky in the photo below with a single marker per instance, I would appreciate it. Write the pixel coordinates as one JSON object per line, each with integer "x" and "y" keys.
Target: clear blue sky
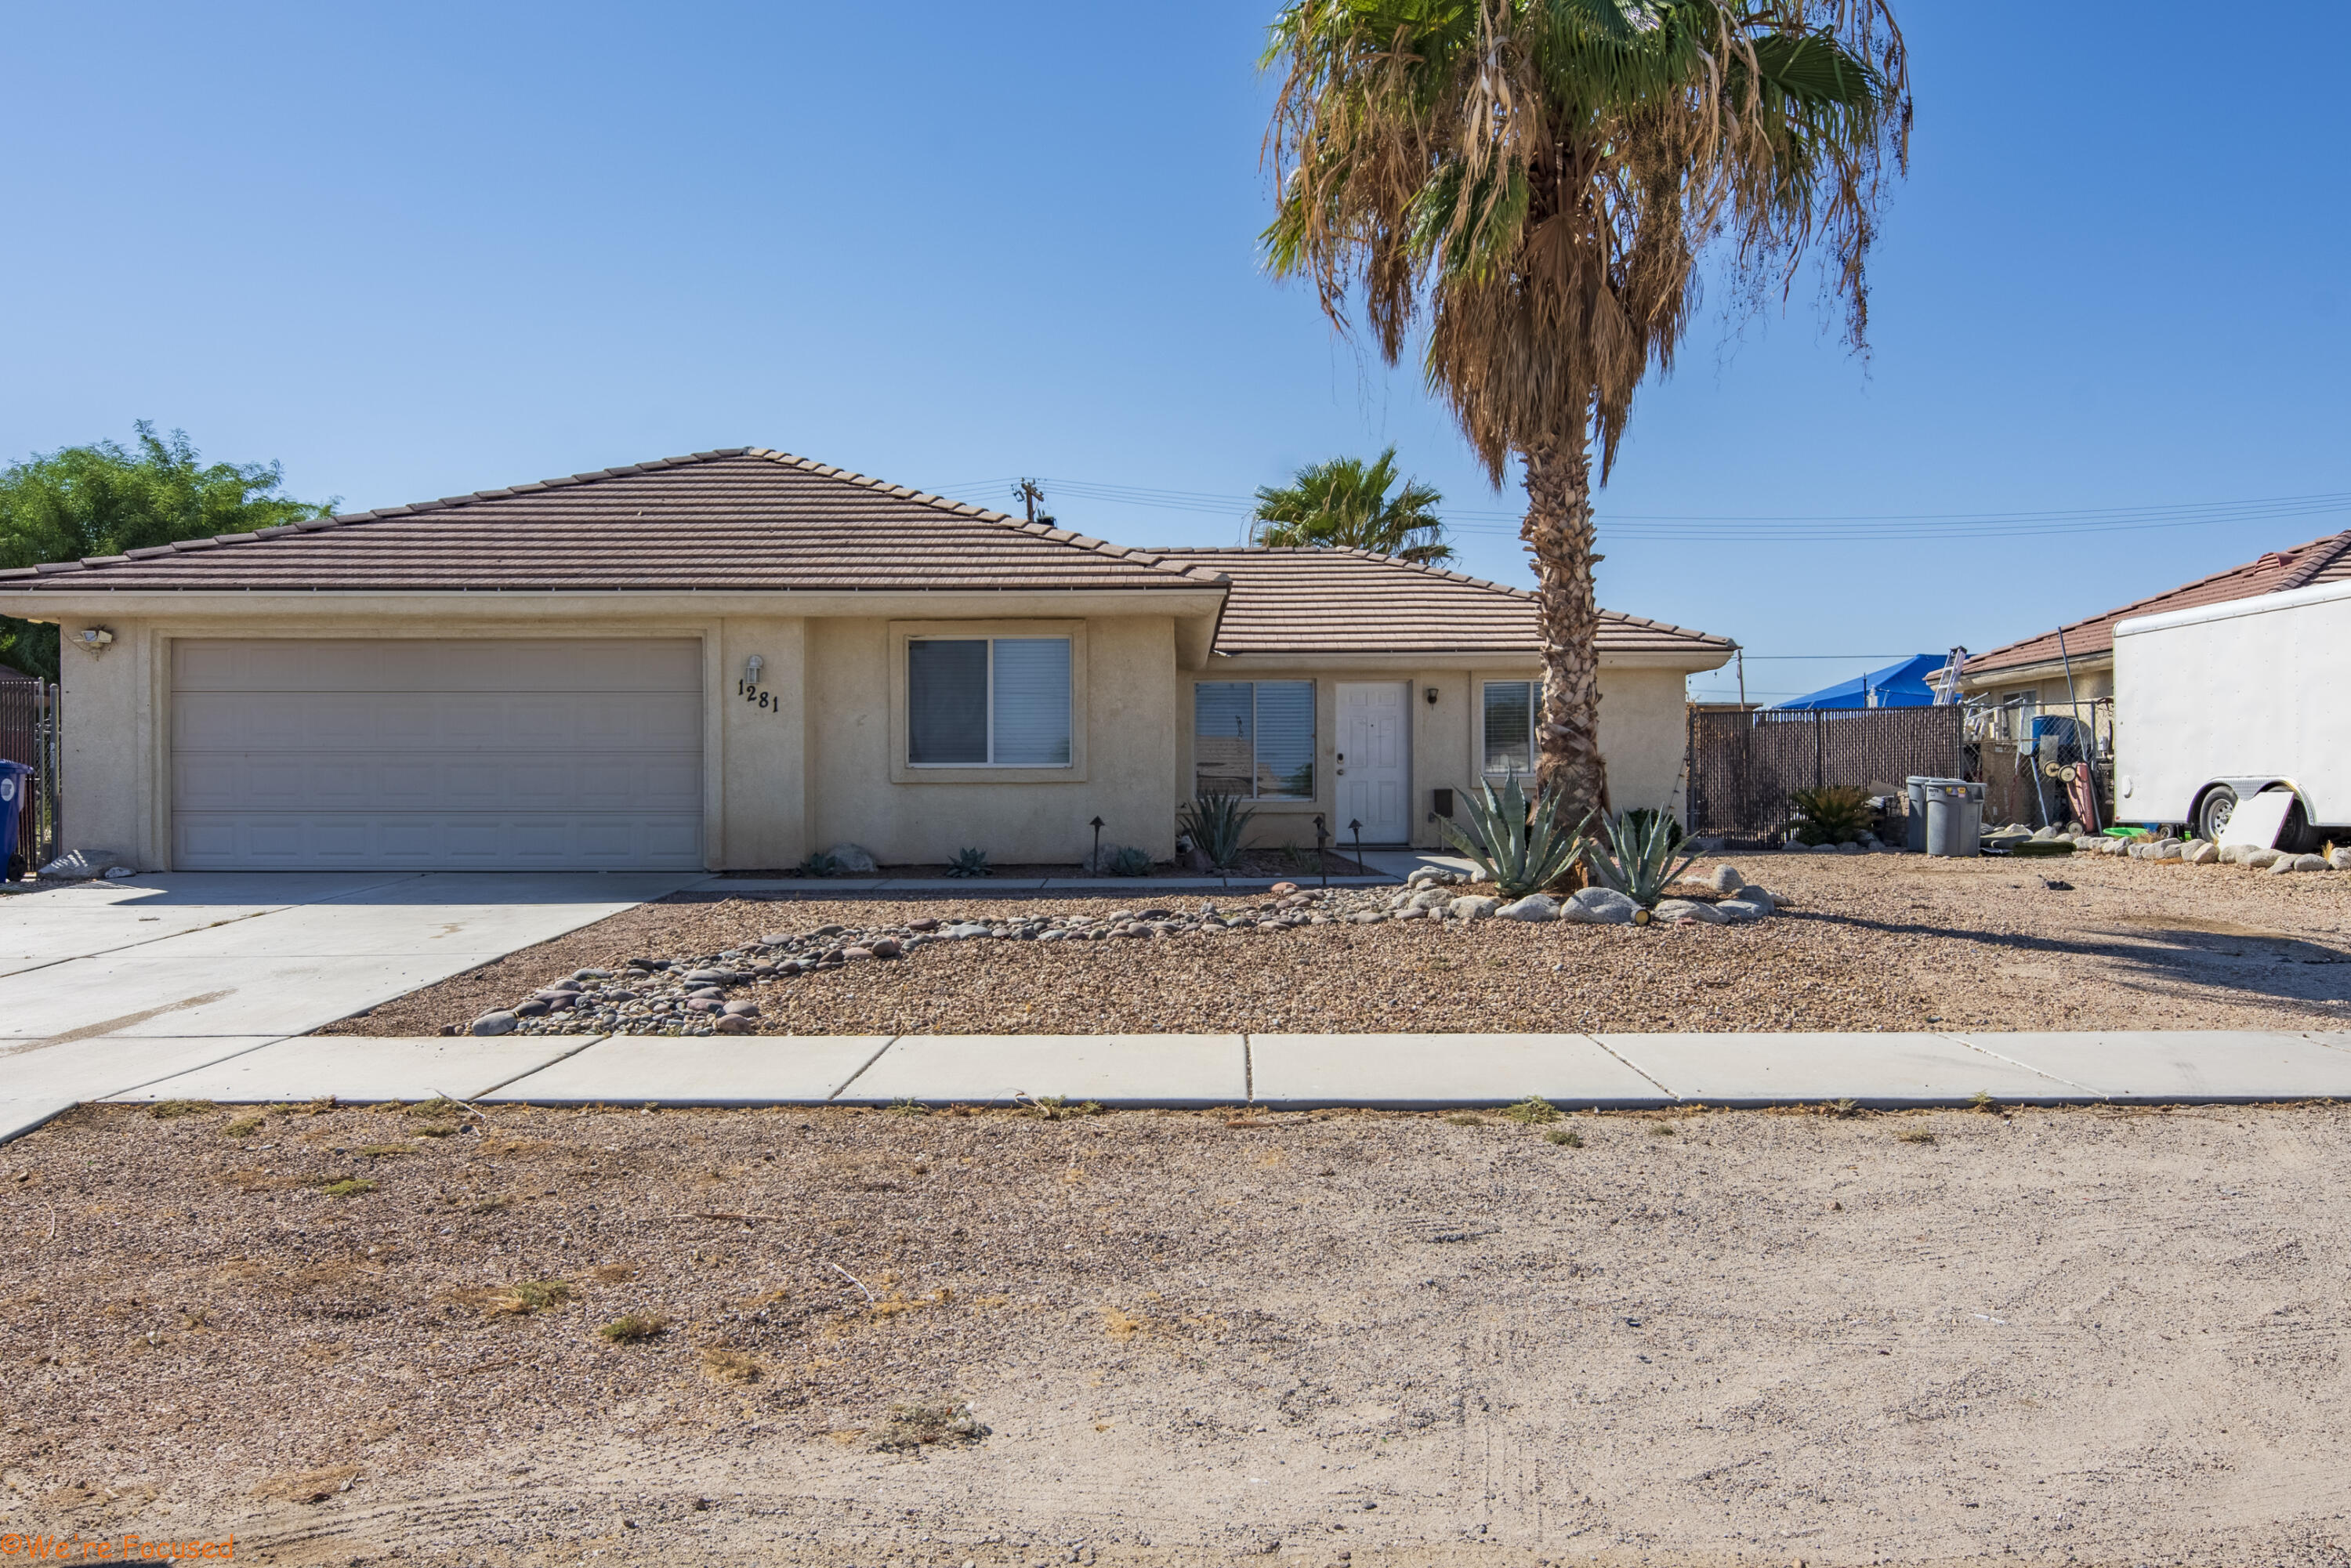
{"x": 414, "y": 250}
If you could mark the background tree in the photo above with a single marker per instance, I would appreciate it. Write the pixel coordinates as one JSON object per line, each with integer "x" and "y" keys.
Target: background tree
{"x": 1345, "y": 504}
{"x": 102, "y": 500}
{"x": 1537, "y": 181}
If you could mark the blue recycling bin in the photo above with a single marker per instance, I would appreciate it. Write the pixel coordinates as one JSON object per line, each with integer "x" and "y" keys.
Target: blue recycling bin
{"x": 15, "y": 779}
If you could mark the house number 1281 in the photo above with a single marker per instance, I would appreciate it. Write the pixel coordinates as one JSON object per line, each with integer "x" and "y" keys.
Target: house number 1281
{"x": 752, "y": 694}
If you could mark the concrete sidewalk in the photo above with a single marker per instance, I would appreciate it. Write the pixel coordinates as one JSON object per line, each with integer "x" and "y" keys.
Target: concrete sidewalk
{"x": 1395, "y": 1071}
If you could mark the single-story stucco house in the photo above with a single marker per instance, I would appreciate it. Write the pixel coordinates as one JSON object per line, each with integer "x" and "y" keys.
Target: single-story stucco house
{"x": 737, "y": 658}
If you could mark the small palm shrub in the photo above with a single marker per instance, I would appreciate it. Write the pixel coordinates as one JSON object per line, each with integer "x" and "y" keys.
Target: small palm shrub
{"x": 1636, "y": 858}
{"x": 1520, "y": 849}
{"x": 1831, "y": 814}
{"x": 819, "y": 864}
{"x": 1216, "y": 822}
{"x": 969, "y": 863}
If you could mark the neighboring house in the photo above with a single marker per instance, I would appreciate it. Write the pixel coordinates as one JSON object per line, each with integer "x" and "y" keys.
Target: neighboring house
{"x": 2031, "y": 677}
{"x": 734, "y": 659}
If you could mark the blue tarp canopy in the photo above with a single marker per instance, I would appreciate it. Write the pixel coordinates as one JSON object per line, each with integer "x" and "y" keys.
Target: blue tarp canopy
{"x": 1905, "y": 684}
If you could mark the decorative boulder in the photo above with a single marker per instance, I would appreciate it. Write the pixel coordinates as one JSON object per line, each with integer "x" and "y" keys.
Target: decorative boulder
{"x": 1599, "y": 906}
{"x": 1743, "y": 908}
{"x": 495, "y": 1023}
{"x": 2202, "y": 852}
{"x": 853, "y": 860}
{"x": 1430, "y": 897}
{"x": 2299, "y": 862}
{"x": 1475, "y": 908}
{"x": 1534, "y": 906}
{"x": 1726, "y": 879}
{"x": 2260, "y": 859}
{"x": 2340, "y": 860}
{"x": 1681, "y": 910}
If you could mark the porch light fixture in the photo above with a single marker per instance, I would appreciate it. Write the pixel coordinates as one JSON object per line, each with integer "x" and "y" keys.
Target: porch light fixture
{"x": 751, "y": 668}
{"x": 1430, "y": 692}
{"x": 93, "y": 639}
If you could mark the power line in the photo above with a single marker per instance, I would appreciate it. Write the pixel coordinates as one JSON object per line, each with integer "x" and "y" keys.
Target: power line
{"x": 1723, "y": 528}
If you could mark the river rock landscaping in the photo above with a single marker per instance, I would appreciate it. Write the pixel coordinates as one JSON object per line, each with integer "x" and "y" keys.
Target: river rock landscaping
{"x": 1847, "y": 942}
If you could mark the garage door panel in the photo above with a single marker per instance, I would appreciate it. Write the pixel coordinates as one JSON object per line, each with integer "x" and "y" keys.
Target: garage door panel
{"x": 471, "y": 754}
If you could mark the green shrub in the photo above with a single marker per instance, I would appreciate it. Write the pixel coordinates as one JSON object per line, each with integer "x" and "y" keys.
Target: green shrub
{"x": 819, "y": 864}
{"x": 969, "y": 863}
{"x": 1130, "y": 861}
{"x": 1832, "y": 814}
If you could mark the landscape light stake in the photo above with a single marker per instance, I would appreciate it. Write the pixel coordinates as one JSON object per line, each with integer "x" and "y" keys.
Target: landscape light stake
{"x": 1356, "y": 826}
{"x": 1321, "y": 859}
{"x": 1096, "y": 867}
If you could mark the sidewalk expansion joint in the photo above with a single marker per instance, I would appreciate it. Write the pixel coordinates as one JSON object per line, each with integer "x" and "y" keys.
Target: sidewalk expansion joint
{"x": 887, "y": 1042}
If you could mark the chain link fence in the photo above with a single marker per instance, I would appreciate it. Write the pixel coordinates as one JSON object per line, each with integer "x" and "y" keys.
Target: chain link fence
{"x": 1744, "y": 767}
{"x": 29, "y": 735}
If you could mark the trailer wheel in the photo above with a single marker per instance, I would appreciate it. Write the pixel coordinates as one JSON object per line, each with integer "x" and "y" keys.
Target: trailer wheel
{"x": 2213, "y": 811}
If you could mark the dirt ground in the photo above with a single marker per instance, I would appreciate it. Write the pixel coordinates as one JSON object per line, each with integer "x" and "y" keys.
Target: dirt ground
{"x": 1879, "y": 942}
{"x": 2044, "y": 1336}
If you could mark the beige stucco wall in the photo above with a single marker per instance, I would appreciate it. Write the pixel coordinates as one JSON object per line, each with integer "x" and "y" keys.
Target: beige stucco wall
{"x": 1127, "y": 749}
{"x": 1644, "y": 736}
{"x": 816, "y": 767}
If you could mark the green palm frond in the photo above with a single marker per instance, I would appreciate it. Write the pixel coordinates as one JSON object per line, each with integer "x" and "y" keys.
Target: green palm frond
{"x": 1345, "y": 504}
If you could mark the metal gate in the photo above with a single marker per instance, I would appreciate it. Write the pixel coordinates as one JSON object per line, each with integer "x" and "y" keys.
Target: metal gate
{"x": 1743, "y": 766}
{"x": 28, "y": 734}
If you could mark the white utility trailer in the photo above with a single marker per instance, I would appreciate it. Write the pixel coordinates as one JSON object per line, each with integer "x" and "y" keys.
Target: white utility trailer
{"x": 2218, "y": 705}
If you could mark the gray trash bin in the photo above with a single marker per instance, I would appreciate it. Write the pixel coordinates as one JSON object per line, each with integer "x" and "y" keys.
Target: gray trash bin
{"x": 1954, "y": 816}
{"x": 1914, "y": 822}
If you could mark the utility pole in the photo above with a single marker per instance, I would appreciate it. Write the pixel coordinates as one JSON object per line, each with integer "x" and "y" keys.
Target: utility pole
{"x": 1741, "y": 657}
{"x": 1030, "y": 494}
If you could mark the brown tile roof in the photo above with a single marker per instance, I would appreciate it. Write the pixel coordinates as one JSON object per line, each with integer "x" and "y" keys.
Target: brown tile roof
{"x": 745, "y": 519}
{"x": 1305, "y": 601}
{"x": 2320, "y": 560}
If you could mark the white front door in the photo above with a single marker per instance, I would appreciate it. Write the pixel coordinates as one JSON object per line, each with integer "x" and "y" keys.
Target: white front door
{"x": 1374, "y": 778}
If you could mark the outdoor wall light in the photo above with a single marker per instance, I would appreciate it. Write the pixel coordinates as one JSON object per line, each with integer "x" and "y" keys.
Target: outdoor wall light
{"x": 1430, "y": 692}
{"x": 751, "y": 668}
{"x": 93, "y": 639}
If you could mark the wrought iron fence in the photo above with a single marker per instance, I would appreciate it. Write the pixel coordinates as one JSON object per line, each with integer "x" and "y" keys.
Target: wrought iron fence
{"x": 1744, "y": 767}
{"x": 29, "y": 734}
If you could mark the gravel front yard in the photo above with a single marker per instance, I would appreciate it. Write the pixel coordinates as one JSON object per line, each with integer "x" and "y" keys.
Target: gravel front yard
{"x": 559, "y": 1337}
{"x": 1876, "y": 942}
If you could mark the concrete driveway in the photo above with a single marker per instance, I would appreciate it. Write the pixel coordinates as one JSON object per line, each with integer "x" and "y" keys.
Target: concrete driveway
{"x": 107, "y": 985}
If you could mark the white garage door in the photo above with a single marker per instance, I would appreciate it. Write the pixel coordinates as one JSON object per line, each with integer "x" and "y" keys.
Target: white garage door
{"x": 454, "y": 756}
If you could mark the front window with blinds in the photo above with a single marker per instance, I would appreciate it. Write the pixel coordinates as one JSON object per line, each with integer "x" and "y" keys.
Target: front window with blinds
{"x": 1510, "y": 726}
{"x": 1254, "y": 738}
{"x": 987, "y": 702}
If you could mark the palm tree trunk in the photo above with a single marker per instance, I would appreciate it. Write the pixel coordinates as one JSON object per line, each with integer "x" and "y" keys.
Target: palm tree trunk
{"x": 1559, "y": 534}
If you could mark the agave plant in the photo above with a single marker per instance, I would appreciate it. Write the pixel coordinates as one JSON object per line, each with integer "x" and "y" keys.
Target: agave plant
{"x": 1518, "y": 849}
{"x": 1216, "y": 822}
{"x": 819, "y": 864}
{"x": 1637, "y": 857}
{"x": 969, "y": 863}
{"x": 1130, "y": 861}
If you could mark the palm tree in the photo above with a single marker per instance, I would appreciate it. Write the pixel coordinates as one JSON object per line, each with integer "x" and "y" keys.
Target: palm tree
{"x": 1344, "y": 504}
{"x": 1539, "y": 179}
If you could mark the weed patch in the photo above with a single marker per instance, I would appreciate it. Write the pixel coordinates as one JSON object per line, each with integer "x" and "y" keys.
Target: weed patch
{"x": 243, "y": 1127}
{"x": 632, "y": 1328}
{"x": 1915, "y": 1136}
{"x": 913, "y": 1427}
{"x": 1565, "y": 1137}
{"x": 722, "y": 1365}
{"x": 349, "y": 1186}
{"x": 1532, "y": 1111}
{"x": 173, "y": 1109}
